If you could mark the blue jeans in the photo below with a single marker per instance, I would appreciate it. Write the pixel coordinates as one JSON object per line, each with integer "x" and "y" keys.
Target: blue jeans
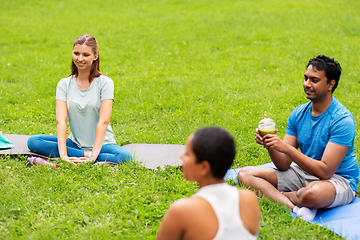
{"x": 47, "y": 145}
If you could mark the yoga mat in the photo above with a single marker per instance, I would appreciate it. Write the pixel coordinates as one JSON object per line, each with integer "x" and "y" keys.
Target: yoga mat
{"x": 343, "y": 220}
{"x": 20, "y": 145}
{"x": 5, "y": 143}
{"x": 156, "y": 155}
{"x": 149, "y": 155}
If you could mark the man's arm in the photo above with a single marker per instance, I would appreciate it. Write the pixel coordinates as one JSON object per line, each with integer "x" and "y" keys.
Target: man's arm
{"x": 280, "y": 159}
{"x": 330, "y": 161}
{"x": 324, "y": 169}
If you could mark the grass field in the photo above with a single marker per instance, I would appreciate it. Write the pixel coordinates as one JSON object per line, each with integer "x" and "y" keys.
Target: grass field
{"x": 177, "y": 66}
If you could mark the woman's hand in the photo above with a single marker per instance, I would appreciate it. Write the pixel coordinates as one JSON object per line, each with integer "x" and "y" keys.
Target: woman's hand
{"x": 82, "y": 160}
{"x": 75, "y": 160}
{"x": 67, "y": 159}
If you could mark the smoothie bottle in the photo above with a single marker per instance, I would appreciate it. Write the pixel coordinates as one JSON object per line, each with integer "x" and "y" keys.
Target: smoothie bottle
{"x": 35, "y": 161}
{"x": 266, "y": 125}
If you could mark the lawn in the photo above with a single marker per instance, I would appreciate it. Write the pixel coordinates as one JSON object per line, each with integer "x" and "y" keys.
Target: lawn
{"x": 177, "y": 66}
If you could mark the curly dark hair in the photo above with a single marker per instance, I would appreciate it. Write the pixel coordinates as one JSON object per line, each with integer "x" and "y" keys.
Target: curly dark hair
{"x": 331, "y": 67}
{"x": 215, "y": 145}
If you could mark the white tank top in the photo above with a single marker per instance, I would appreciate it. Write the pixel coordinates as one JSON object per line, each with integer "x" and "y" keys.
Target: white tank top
{"x": 224, "y": 200}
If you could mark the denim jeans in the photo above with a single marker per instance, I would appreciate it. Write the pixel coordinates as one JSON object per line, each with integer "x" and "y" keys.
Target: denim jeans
{"x": 47, "y": 145}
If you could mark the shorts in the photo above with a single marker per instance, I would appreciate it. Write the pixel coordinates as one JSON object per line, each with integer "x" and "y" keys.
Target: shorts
{"x": 295, "y": 178}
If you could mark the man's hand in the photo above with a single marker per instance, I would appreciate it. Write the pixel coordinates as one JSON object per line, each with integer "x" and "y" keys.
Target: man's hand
{"x": 272, "y": 141}
{"x": 259, "y": 139}
{"x": 278, "y": 148}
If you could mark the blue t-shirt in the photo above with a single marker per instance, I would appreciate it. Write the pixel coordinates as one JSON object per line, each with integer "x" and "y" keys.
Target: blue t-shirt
{"x": 335, "y": 125}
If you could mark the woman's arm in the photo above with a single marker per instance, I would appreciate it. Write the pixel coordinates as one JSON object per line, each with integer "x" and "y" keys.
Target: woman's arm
{"x": 171, "y": 227}
{"x": 249, "y": 210}
{"x": 61, "y": 120}
{"x": 104, "y": 119}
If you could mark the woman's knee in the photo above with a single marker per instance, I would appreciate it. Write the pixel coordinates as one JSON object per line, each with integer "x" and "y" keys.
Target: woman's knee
{"x": 114, "y": 154}
{"x": 43, "y": 144}
{"x": 33, "y": 142}
{"x": 124, "y": 156}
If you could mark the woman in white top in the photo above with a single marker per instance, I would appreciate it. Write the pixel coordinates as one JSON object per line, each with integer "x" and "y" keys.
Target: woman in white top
{"x": 85, "y": 98}
{"x": 217, "y": 210}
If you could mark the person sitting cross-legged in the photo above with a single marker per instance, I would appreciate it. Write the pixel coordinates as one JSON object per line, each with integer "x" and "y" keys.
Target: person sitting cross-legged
{"x": 326, "y": 173}
{"x": 84, "y": 99}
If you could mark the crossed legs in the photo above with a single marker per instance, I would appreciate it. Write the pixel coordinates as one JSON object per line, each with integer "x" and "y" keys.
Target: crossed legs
{"x": 47, "y": 145}
{"x": 315, "y": 195}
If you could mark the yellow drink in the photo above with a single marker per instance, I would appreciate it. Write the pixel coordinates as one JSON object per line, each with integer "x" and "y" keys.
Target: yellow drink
{"x": 266, "y": 125}
{"x": 264, "y": 132}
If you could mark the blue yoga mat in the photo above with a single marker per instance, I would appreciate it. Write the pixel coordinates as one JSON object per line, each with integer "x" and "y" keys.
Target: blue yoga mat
{"x": 343, "y": 220}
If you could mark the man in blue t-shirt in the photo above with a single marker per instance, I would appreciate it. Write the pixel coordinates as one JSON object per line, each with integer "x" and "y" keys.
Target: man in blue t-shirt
{"x": 326, "y": 172}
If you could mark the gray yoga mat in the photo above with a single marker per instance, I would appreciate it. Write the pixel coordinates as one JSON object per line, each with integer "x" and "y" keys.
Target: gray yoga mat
{"x": 149, "y": 155}
{"x": 156, "y": 155}
{"x": 20, "y": 145}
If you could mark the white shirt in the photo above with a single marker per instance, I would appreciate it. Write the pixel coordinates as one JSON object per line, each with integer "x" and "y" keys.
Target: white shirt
{"x": 224, "y": 200}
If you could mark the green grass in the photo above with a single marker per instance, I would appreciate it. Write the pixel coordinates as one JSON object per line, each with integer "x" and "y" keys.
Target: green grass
{"x": 177, "y": 66}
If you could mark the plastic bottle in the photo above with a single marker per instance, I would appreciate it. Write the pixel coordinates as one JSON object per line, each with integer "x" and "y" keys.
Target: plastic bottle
{"x": 35, "y": 161}
{"x": 266, "y": 125}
